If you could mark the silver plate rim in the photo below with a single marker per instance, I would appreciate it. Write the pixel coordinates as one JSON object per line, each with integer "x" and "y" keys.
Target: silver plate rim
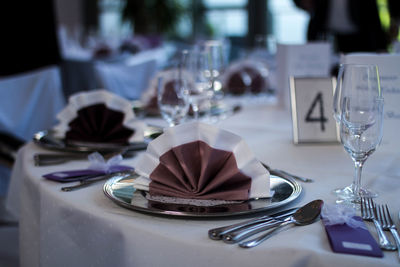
{"x": 297, "y": 190}
{"x": 59, "y": 145}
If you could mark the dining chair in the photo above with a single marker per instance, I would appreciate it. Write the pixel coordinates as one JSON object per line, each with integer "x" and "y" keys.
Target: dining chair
{"x": 29, "y": 102}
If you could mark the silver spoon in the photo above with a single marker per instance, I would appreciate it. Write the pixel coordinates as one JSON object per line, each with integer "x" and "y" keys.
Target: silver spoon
{"x": 303, "y": 216}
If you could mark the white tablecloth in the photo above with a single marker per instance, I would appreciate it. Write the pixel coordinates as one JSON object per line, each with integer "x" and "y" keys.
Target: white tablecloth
{"x": 84, "y": 228}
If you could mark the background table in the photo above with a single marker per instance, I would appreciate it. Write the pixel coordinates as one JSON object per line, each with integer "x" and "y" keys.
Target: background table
{"x": 85, "y": 228}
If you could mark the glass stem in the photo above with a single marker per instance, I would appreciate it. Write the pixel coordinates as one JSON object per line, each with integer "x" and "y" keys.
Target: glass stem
{"x": 196, "y": 111}
{"x": 358, "y": 164}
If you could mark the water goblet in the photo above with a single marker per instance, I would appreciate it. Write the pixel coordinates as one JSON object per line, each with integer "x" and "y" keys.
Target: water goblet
{"x": 359, "y": 105}
{"x": 172, "y": 99}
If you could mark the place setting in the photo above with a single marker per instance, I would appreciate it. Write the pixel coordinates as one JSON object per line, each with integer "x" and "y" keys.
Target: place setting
{"x": 99, "y": 127}
{"x": 199, "y": 170}
{"x": 97, "y": 121}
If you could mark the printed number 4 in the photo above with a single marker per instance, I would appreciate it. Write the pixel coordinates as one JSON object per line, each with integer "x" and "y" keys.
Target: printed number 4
{"x": 321, "y": 119}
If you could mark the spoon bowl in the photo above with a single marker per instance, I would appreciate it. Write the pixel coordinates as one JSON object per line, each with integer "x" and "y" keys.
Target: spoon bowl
{"x": 307, "y": 214}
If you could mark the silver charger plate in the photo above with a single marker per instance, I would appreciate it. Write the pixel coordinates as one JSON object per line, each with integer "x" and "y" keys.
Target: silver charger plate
{"x": 48, "y": 140}
{"x": 120, "y": 190}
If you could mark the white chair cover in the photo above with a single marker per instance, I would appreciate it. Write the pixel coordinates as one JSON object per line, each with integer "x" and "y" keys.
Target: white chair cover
{"x": 126, "y": 80}
{"x": 30, "y": 102}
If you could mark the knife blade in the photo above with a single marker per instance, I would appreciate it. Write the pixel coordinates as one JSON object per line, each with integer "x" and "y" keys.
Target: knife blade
{"x": 85, "y": 183}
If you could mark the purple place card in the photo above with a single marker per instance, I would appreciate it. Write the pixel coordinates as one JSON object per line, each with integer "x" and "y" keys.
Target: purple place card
{"x": 349, "y": 240}
{"x": 79, "y": 175}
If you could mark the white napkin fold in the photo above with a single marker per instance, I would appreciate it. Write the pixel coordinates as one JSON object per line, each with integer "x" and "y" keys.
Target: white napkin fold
{"x": 214, "y": 137}
{"x": 101, "y": 96}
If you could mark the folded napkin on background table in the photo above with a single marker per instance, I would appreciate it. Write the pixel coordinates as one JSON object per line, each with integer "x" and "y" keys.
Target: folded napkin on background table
{"x": 149, "y": 96}
{"x": 199, "y": 161}
{"x": 246, "y": 76}
{"x": 100, "y": 117}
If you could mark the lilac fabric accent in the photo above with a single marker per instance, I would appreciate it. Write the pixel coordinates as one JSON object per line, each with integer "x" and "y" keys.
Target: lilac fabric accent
{"x": 197, "y": 171}
{"x": 77, "y": 175}
{"x": 349, "y": 240}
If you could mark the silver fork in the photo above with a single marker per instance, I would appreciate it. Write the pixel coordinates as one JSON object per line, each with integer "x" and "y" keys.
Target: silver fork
{"x": 368, "y": 213}
{"x": 388, "y": 225}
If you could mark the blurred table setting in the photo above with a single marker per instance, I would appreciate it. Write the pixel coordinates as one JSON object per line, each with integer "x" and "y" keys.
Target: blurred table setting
{"x": 118, "y": 64}
{"x": 205, "y": 144}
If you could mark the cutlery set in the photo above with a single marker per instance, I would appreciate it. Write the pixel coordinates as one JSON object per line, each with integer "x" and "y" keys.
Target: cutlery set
{"x": 380, "y": 216}
{"x": 240, "y": 232}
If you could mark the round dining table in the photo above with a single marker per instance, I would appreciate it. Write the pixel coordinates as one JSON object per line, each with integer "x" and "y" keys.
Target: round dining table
{"x": 85, "y": 228}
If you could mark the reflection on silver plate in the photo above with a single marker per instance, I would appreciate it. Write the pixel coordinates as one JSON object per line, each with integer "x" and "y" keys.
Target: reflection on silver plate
{"x": 120, "y": 190}
{"x": 47, "y": 139}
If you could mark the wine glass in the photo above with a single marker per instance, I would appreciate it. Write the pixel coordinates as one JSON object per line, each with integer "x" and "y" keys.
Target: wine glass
{"x": 172, "y": 98}
{"x": 215, "y": 49}
{"x": 358, "y": 107}
{"x": 196, "y": 65}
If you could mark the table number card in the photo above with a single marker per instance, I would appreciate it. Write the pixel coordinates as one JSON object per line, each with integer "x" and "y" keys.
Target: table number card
{"x": 309, "y": 60}
{"x": 389, "y": 72}
{"x": 311, "y": 102}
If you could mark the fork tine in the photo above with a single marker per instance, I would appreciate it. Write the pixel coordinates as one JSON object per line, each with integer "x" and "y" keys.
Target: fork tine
{"x": 381, "y": 218}
{"x": 362, "y": 204}
{"x": 385, "y": 217}
{"x": 372, "y": 208}
{"x": 388, "y": 215}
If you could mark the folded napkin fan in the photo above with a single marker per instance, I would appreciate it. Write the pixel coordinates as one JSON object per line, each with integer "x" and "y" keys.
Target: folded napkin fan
{"x": 170, "y": 80}
{"x": 100, "y": 117}
{"x": 199, "y": 161}
{"x": 245, "y": 75}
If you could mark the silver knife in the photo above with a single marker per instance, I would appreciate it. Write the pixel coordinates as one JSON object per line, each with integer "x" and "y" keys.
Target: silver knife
{"x": 285, "y": 174}
{"x": 85, "y": 183}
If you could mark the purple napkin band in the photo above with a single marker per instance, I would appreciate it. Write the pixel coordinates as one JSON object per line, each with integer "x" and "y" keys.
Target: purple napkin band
{"x": 78, "y": 175}
{"x": 346, "y": 239}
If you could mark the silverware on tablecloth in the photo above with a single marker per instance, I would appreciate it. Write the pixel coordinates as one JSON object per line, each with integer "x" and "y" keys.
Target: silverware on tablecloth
{"x": 307, "y": 214}
{"x": 369, "y": 213}
{"x": 285, "y": 174}
{"x": 238, "y": 235}
{"x": 44, "y": 159}
{"x": 388, "y": 225}
{"x": 217, "y": 233}
{"x": 86, "y": 182}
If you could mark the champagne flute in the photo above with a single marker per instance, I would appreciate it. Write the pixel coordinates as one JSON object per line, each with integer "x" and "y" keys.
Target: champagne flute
{"x": 172, "y": 98}
{"x": 215, "y": 49}
{"x": 196, "y": 65}
{"x": 358, "y": 103}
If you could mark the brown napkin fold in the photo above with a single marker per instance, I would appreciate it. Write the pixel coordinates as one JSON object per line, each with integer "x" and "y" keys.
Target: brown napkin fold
{"x": 246, "y": 75}
{"x": 99, "y": 124}
{"x": 197, "y": 161}
{"x": 246, "y": 78}
{"x": 195, "y": 170}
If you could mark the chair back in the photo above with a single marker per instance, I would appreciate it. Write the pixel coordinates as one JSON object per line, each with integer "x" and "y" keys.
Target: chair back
{"x": 29, "y": 102}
